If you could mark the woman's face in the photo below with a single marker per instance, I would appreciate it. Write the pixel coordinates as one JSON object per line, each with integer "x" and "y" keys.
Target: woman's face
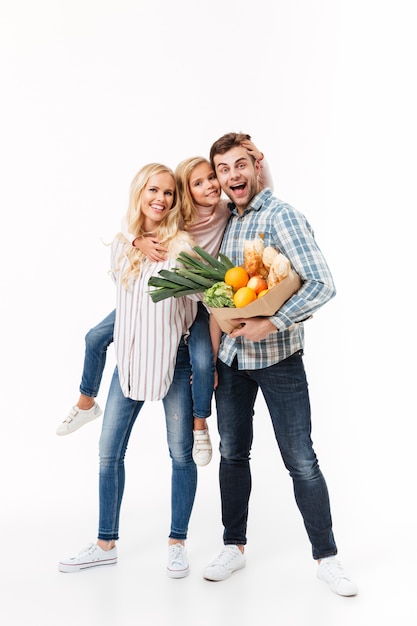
{"x": 204, "y": 186}
{"x": 157, "y": 199}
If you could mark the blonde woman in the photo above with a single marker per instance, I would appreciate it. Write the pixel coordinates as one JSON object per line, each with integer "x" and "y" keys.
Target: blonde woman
{"x": 152, "y": 364}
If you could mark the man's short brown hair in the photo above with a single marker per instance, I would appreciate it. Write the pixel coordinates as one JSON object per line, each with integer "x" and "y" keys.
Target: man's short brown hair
{"x": 226, "y": 143}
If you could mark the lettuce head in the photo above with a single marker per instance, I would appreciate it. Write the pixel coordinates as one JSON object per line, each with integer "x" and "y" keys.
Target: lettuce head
{"x": 219, "y": 295}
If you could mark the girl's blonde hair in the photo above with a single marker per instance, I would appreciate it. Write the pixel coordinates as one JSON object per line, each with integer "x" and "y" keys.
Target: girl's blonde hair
{"x": 183, "y": 172}
{"x": 167, "y": 229}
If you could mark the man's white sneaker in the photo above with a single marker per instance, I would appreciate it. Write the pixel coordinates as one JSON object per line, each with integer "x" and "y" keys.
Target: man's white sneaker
{"x": 177, "y": 561}
{"x": 229, "y": 560}
{"x": 77, "y": 418}
{"x": 332, "y": 572}
{"x": 91, "y": 556}
{"x": 202, "y": 450}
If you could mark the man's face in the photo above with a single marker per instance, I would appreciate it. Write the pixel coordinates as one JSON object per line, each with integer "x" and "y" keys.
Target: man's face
{"x": 237, "y": 175}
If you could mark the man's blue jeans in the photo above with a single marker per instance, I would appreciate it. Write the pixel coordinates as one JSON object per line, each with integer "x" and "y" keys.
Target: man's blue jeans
{"x": 98, "y": 339}
{"x": 118, "y": 421}
{"x": 285, "y": 390}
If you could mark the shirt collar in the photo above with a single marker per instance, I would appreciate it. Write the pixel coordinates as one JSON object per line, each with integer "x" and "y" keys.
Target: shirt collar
{"x": 255, "y": 204}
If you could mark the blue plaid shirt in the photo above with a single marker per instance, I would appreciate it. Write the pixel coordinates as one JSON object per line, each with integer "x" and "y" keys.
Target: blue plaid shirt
{"x": 287, "y": 230}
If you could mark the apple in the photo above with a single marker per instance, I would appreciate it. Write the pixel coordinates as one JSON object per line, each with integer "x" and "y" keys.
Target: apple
{"x": 257, "y": 283}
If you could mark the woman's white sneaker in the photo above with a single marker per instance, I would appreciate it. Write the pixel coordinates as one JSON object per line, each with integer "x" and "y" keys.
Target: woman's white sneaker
{"x": 91, "y": 556}
{"x": 77, "y": 418}
{"x": 332, "y": 572}
{"x": 177, "y": 561}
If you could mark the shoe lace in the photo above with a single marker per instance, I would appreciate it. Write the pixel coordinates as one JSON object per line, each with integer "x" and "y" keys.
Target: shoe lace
{"x": 335, "y": 570}
{"x": 226, "y": 555}
{"x": 176, "y": 554}
{"x": 88, "y": 550}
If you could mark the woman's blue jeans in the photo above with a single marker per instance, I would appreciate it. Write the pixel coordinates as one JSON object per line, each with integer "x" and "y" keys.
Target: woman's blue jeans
{"x": 98, "y": 339}
{"x": 284, "y": 387}
{"x": 118, "y": 421}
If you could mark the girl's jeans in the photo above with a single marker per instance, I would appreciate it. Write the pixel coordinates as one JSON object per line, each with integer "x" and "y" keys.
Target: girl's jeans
{"x": 98, "y": 339}
{"x": 202, "y": 363}
{"x": 284, "y": 386}
{"x": 119, "y": 417}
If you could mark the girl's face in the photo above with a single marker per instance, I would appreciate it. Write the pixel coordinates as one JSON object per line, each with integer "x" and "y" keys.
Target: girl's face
{"x": 204, "y": 186}
{"x": 157, "y": 199}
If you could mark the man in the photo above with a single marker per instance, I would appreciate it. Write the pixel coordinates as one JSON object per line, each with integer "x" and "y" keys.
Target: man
{"x": 267, "y": 353}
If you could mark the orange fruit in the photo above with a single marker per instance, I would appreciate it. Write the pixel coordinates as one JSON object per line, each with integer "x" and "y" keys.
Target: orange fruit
{"x": 236, "y": 277}
{"x": 244, "y": 296}
{"x": 263, "y": 292}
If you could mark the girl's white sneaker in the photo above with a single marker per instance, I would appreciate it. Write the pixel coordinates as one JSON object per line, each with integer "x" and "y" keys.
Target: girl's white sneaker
{"x": 77, "y": 418}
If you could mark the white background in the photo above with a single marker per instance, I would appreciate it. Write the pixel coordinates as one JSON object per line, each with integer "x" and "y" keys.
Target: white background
{"x": 90, "y": 92}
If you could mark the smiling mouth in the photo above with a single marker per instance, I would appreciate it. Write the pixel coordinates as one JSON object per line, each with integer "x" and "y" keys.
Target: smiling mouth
{"x": 238, "y": 188}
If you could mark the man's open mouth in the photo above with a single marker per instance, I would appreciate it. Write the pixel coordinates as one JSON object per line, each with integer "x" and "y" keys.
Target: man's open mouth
{"x": 238, "y": 189}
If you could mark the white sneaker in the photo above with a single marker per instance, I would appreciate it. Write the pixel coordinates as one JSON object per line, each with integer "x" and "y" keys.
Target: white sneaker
{"x": 91, "y": 556}
{"x": 202, "y": 450}
{"x": 332, "y": 572}
{"x": 229, "y": 560}
{"x": 177, "y": 561}
{"x": 77, "y": 418}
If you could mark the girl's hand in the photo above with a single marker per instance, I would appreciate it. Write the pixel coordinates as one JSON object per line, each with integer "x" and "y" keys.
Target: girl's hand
{"x": 253, "y": 150}
{"x": 151, "y": 248}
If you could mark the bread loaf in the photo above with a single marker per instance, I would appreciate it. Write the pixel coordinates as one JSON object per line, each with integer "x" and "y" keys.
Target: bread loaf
{"x": 268, "y": 256}
{"x": 253, "y": 252}
{"x": 279, "y": 270}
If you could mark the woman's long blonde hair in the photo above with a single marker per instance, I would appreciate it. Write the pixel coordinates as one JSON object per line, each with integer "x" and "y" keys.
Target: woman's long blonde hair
{"x": 167, "y": 229}
{"x": 183, "y": 172}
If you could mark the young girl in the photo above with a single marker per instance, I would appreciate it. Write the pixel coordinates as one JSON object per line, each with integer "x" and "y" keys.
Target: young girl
{"x": 150, "y": 354}
{"x": 205, "y": 216}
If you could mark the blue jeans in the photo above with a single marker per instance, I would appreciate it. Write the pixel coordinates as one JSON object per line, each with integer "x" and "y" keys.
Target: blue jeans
{"x": 284, "y": 387}
{"x": 202, "y": 363}
{"x": 98, "y": 339}
{"x": 118, "y": 421}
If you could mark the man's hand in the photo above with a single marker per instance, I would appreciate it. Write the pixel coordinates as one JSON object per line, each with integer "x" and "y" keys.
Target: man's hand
{"x": 253, "y": 328}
